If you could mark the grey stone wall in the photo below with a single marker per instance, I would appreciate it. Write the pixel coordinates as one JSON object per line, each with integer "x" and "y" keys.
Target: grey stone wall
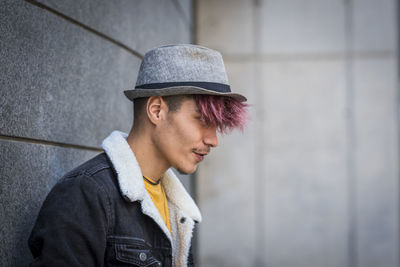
{"x": 314, "y": 180}
{"x": 63, "y": 67}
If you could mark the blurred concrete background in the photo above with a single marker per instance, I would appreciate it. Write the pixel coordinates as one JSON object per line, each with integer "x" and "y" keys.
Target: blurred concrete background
{"x": 314, "y": 179}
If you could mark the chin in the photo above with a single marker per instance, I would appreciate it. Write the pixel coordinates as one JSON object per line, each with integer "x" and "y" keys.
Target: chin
{"x": 186, "y": 171}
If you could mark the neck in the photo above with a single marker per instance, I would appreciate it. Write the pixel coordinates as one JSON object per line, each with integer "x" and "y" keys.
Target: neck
{"x": 151, "y": 163}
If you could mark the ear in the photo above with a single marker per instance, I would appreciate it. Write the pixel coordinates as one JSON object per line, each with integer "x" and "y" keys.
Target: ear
{"x": 156, "y": 109}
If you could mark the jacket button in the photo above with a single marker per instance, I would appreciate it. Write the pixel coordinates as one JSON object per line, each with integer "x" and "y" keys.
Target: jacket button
{"x": 142, "y": 256}
{"x": 183, "y": 220}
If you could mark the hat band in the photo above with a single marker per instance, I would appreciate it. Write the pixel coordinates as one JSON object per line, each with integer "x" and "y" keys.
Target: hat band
{"x": 217, "y": 87}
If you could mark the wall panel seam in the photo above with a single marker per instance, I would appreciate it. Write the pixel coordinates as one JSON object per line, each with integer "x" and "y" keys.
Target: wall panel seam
{"x": 397, "y": 8}
{"x": 352, "y": 240}
{"x": 308, "y": 57}
{"x": 179, "y": 8}
{"x": 86, "y": 27}
{"x": 260, "y": 134}
{"x": 47, "y": 143}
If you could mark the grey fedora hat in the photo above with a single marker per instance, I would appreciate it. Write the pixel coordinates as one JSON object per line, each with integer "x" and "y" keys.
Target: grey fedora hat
{"x": 182, "y": 69}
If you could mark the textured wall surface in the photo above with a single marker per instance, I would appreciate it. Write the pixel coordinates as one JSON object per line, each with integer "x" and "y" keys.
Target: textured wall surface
{"x": 314, "y": 180}
{"x": 64, "y": 65}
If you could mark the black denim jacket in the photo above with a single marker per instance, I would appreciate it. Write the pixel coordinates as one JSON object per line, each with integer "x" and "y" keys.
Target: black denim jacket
{"x": 85, "y": 221}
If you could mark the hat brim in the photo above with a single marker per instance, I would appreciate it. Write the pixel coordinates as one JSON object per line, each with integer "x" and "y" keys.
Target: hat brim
{"x": 178, "y": 90}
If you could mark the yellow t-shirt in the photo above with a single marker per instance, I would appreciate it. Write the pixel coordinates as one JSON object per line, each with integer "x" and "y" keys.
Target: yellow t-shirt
{"x": 157, "y": 194}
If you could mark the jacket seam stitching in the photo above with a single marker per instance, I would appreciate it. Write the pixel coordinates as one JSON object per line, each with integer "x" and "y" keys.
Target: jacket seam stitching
{"x": 108, "y": 200}
{"x": 96, "y": 169}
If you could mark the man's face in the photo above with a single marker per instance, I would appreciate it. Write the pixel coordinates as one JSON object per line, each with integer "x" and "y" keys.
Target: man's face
{"x": 182, "y": 139}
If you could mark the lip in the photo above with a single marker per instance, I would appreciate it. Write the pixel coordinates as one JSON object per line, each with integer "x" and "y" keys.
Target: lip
{"x": 199, "y": 156}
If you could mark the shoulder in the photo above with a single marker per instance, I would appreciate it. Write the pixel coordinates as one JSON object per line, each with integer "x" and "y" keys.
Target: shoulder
{"x": 95, "y": 176}
{"x": 90, "y": 167}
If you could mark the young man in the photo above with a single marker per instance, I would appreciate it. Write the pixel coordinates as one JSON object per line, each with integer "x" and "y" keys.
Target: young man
{"x": 126, "y": 206}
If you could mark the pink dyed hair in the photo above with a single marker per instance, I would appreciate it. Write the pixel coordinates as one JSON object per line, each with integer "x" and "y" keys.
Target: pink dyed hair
{"x": 224, "y": 112}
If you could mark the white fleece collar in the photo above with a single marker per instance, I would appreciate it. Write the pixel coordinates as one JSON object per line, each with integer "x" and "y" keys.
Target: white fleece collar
{"x": 131, "y": 180}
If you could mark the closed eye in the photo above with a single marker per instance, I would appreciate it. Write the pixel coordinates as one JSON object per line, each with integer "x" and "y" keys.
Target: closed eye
{"x": 200, "y": 120}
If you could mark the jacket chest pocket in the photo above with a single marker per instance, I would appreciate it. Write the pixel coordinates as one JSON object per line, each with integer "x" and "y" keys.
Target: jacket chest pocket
{"x": 131, "y": 252}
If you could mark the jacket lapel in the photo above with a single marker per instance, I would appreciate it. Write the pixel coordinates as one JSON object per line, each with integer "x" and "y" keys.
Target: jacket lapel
{"x": 131, "y": 183}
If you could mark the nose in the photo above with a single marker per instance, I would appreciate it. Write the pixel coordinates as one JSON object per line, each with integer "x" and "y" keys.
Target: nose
{"x": 210, "y": 137}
